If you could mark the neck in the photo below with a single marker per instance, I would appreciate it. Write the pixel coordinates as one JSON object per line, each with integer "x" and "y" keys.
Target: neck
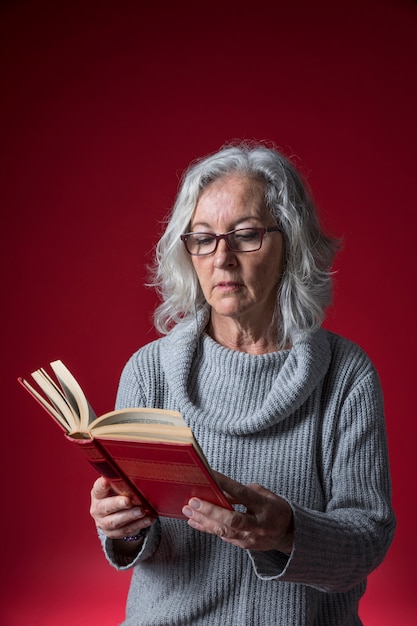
{"x": 230, "y": 334}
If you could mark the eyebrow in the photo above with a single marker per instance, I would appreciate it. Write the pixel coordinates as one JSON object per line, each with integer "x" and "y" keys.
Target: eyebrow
{"x": 236, "y": 224}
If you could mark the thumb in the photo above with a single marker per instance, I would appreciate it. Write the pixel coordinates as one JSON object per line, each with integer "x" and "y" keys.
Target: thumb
{"x": 101, "y": 488}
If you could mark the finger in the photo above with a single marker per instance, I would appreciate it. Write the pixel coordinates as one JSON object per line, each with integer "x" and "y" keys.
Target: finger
{"x": 101, "y": 509}
{"x": 124, "y": 524}
{"x": 230, "y": 486}
{"x": 247, "y": 495}
{"x": 109, "y": 515}
{"x": 213, "y": 519}
{"x": 115, "y": 504}
{"x": 101, "y": 488}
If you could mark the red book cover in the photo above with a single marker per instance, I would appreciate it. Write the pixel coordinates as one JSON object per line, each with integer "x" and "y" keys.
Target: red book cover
{"x": 166, "y": 474}
{"x": 161, "y": 469}
{"x": 105, "y": 466}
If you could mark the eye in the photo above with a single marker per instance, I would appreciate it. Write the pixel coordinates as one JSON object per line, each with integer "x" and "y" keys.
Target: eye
{"x": 247, "y": 234}
{"x": 201, "y": 239}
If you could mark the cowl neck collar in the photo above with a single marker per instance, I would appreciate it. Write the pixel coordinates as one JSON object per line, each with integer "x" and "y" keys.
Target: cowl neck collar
{"x": 299, "y": 371}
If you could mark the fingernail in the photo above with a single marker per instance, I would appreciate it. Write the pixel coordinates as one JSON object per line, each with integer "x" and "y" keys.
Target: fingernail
{"x": 187, "y": 511}
{"x": 137, "y": 512}
{"x": 195, "y": 504}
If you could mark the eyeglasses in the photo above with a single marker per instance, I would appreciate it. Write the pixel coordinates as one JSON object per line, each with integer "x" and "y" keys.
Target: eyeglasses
{"x": 240, "y": 240}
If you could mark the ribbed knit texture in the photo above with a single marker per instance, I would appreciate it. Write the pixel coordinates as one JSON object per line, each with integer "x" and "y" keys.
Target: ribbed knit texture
{"x": 307, "y": 424}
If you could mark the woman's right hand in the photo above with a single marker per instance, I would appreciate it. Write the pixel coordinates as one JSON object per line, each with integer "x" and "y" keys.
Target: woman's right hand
{"x": 115, "y": 515}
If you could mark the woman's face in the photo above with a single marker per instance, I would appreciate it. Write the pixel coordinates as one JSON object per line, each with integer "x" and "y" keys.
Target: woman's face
{"x": 239, "y": 285}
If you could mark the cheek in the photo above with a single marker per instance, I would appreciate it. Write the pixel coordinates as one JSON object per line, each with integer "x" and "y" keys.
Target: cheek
{"x": 200, "y": 271}
{"x": 267, "y": 275}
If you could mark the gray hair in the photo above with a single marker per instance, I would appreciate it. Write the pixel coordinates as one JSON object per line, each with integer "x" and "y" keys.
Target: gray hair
{"x": 306, "y": 284}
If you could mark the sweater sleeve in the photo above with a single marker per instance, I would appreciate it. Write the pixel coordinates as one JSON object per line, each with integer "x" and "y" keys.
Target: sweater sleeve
{"x": 337, "y": 548}
{"x": 148, "y": 547}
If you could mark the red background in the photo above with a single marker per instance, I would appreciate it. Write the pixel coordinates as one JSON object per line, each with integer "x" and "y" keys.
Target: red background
{"x": 104, "y": 104}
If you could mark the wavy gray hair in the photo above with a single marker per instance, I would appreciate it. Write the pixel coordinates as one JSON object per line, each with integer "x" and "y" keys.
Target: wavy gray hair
{"x": 306, "y": 284}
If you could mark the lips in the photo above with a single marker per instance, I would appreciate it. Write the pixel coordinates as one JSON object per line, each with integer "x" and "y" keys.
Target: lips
{"x": 228, "y": 285}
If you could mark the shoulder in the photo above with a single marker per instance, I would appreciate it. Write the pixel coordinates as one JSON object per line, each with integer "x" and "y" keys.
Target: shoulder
{"x": 154, "y": 368}
{"x": 152, "y": 354}
{"x": 350, "y": 366}
{"x": 150, "y": 348}
{"x": 139, "y": 376}
{"x": 347, "y": 351}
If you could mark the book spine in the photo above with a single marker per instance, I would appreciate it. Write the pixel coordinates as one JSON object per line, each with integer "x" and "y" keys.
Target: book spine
{"x": 98, "y": 458}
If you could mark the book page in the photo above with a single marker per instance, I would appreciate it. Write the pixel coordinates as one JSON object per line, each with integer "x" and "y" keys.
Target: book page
{"x": 60, "y": 419}
{"x": 144, "y": 432}
{"x": 140, "y": 415}
{"x": 57, "y": 398}
{"x": 75, "y": 395}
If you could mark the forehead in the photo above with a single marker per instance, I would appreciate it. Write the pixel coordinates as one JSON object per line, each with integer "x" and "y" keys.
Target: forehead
{"x": 234, "y": 195}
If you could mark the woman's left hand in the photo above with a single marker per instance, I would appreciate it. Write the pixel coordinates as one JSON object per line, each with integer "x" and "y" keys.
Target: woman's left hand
{"x": 267, "y": 523}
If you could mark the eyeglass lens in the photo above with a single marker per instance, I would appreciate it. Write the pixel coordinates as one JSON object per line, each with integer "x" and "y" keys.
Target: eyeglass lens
{"x": 240, "y": 240}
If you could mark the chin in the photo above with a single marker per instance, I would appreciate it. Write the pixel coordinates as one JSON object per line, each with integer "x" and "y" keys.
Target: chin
{"x": 232, "y": 312}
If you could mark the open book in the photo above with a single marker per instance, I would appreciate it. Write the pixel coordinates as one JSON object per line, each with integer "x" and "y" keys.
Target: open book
{"x": 149, "y": 454}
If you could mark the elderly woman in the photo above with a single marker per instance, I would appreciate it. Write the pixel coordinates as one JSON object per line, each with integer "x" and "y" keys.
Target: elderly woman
{"x": 289, "y": 414}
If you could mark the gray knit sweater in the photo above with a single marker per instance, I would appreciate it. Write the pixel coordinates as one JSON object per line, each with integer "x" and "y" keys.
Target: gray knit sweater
{"x": 306, "y": 423}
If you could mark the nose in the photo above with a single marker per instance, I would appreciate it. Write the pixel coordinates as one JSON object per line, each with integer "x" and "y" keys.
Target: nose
{"x": 224, "y": 256}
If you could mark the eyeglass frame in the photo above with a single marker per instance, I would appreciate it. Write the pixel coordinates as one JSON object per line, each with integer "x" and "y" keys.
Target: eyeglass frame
{"x": 261, "y": 231}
